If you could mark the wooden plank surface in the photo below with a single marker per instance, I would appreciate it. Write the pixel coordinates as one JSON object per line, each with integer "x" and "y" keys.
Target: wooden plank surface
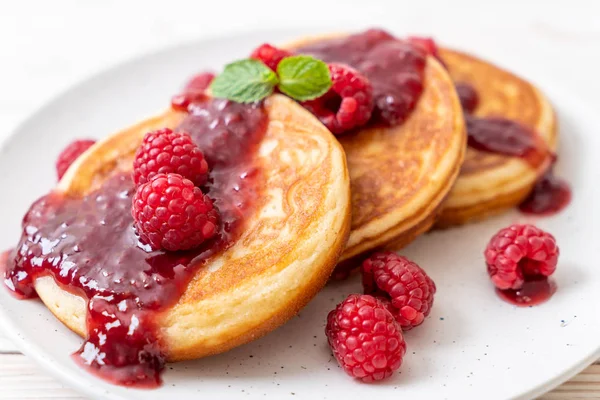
{"x": 21, "y": 379}
{"x": 586, "y": 385}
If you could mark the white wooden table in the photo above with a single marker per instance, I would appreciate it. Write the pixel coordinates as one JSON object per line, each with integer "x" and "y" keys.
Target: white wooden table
{"x": 45, "y": 46}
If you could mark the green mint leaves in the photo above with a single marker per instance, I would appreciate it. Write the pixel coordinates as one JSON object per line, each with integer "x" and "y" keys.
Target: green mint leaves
{"x": 246, "y": 81}
{"x": 303, "y": 77}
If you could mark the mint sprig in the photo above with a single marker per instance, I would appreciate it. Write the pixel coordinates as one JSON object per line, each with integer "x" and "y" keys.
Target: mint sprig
{"x": 303, "y": 77}
{"x": 300, "y": 77}
{"x": 244, "y": 81}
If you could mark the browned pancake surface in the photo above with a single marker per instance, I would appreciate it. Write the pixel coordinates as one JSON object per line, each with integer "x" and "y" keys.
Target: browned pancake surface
{"x": 286, "y": 251}
{"x": 488, "y": 182}
{"x": 501, "y": 94}
{"x": 390, "y": 166}
{"x": 400, "y": 175}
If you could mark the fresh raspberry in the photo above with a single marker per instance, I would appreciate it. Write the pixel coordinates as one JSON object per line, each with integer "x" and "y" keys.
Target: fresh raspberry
{"x": 349, "y": 102}
{"x": 426, "y": 43}
{"x": 365, "y": 338}
{"x": 374, "y": 36}
{"x": 194, "y": 91}
{"x": 169, "y": 212}
{"x": 270, "y": 55}
{"x": 165, "y": 151}
{"x": 70, "y": 154}
{"x": 200, "y": 82}
{"x": 429, "y": 45}
{"x": 409, "y": 289}
{"x": 519, "y": 253}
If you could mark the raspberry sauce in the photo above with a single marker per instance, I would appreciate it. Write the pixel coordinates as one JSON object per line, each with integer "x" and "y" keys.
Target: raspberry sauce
{"x": 4, "y": 256}
{"x": 499, "y": 135}
{"x": 394, "y": 67}
{"x": 88, "y": 245}
{"x": 469, "y": 98}
{"x": 533, "y": 292}
{"x": 550, "y": 195}
{"x": 193, "y": 92}
{"x": 503, "y": 136}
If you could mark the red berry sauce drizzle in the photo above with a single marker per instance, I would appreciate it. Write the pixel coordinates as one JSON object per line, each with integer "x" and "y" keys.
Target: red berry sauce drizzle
{"x": 394, "y": 67}
{"x": 4, "y": 256}
{"x": 534, "y": 292}
{"x": 503, "y": 136}
{"x": 550, "y": 195}
{"x": 88, "y": 245}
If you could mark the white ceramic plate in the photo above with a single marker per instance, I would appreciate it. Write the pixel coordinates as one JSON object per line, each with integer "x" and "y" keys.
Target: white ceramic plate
{"x": 472, "y": 346}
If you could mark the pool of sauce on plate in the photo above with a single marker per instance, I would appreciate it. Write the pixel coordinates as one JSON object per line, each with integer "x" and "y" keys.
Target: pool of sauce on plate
{"x": 533, "y": 292}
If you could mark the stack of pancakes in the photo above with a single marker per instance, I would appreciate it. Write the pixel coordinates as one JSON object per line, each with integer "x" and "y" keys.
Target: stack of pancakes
{"x": 331, "y": 200}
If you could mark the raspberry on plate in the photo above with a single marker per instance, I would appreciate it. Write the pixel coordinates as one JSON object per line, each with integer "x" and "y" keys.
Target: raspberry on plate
{"x": 165, "y": 151}
{"x": 403, "y": 283}
{"x": 70, "y": 154}
{"x": 169, "y": 212}
{"x": 270, "y": 55}
{"x": 519, "y": 253}
{"x": 349, "y": 102}
{"x": 365, "y": 338}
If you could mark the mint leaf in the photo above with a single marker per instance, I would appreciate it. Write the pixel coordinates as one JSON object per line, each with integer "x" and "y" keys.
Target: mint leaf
{"x": 303, "y": 77}
{"x": 244, "y": 81}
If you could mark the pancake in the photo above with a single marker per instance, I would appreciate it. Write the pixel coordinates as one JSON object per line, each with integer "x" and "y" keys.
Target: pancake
{"x": 400, "y": 175}
{"x": 286, "y": 251}
{"x": 490, "y": 183}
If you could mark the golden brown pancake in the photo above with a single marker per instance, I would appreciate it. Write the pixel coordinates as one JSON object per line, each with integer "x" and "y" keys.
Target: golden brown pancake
{"x": 400, "y": 175}
{"x": 490, "y": 183}
{"x": 285, "y": 254}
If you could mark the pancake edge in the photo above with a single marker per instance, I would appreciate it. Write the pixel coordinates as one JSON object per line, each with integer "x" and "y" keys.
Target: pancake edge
{"x": 284, "y": 293}
{"x": 403, "y": 230}
{"x": 513, "y": 180}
